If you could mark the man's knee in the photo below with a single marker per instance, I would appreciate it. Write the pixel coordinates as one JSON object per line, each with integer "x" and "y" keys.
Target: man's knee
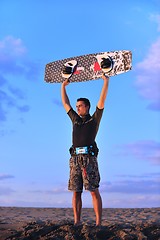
{"x": 77, "y": 195}
{"x": 95, "y": 193}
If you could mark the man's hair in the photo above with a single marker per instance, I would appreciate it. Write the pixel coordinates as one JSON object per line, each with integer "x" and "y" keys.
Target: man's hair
{"x": 85, "y": 100}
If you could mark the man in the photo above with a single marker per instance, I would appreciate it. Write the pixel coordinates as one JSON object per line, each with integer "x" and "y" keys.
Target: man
{"x": 83, "y": 162}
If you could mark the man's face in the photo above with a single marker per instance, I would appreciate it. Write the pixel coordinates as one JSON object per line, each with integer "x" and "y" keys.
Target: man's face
{"x": 82, "y": 109}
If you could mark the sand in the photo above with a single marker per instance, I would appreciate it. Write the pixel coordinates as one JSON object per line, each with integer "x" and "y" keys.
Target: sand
{"x": 57, "y": 223}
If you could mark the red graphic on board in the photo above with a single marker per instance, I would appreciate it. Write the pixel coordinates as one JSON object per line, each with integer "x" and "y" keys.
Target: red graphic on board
{"x": 79, "y": 70}
{"x": 96, "y": 67}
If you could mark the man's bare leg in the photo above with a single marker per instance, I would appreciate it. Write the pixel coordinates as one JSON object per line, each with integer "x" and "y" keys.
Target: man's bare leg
{"x": 77, "y": 207}
{"x": 97, "y": 204}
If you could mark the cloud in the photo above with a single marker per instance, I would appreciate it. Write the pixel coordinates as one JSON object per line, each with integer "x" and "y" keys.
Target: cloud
{"x": 61, "y": 203}
{"x": 135, "y": 186}
{"x": 10, "y": 101}
{"x": 14, "y": 62}
{"x": 6, "y": 191}
{"x": 57, "y": 102}
{"x": 12, "y": 46}
{"x": 55, "y": 190}
{"x": 121, "y": 193}
{"x": 138, "y": 201}
{"x": 147, "y": 175}
{"x": 147, "y": 80}
{"x": 148, "y": 183}
{"x": 24, "y": 108}
{"x": 5, "y": 176}
{"x": 143, "y": 150}
{"x": 18, "y": 93}
{"x": 2, "y": 80}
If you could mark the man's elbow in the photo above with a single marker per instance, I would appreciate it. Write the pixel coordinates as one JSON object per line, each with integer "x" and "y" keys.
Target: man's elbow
{"x": 100, "y": 105}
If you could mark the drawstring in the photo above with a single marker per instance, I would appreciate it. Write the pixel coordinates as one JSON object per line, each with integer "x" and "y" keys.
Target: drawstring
{"x": 84, "y": 172}
{"x": 83, "y": 161}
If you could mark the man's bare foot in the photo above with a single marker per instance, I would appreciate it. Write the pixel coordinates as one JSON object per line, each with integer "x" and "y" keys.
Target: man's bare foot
{"x": 98, "y": 225}
{"x": 77, "y": 224}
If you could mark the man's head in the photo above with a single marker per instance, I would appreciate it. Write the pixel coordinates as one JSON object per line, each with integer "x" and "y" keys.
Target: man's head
{"x": 83, "y": 106}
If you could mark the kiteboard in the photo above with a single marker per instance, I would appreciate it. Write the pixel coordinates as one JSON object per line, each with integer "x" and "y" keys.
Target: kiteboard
{"x": 88, "y": 67}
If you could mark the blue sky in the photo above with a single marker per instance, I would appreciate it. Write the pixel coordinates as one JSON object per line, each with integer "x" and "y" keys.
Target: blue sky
{"x": 35, "y": 132}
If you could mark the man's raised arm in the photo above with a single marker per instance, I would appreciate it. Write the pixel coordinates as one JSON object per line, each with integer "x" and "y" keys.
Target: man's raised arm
{"x": 104, "y": 92}
{"x": 65, "y": 99}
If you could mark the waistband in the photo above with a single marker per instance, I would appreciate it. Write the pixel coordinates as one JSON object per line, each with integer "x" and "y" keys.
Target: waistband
{"x": 86, "y": 150}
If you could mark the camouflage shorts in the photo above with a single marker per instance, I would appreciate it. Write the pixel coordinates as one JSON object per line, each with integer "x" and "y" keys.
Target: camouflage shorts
{"x": 83, "y": 172}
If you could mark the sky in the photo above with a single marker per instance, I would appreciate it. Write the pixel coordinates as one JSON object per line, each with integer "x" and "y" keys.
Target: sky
{"x": 35, "y": 131}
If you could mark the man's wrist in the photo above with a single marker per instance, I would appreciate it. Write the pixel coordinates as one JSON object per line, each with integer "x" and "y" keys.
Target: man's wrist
{"x": 105, "y": 77}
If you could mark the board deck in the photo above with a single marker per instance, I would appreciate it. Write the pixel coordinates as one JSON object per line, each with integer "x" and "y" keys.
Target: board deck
{"x": 88, "y": 67}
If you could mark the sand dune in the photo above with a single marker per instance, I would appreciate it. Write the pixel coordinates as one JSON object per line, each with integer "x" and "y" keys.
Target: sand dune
{"x": 57, "y": 223}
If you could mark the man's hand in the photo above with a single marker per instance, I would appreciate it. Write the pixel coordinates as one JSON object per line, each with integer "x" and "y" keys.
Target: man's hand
{"x": 104, "y": 77}
{"x": 66, "y": 82}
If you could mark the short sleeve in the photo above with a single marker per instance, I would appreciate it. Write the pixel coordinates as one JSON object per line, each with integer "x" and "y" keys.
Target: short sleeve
{"x": 73, "y": 115}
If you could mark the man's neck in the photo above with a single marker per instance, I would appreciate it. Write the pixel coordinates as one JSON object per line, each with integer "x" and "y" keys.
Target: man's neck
{"x": 84, "y": 116}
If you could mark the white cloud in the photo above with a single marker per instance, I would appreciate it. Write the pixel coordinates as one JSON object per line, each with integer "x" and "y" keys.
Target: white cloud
{"x": 11, "y": 46}
{"x": 14, "y": 59}
{"x": 148, "y": 76}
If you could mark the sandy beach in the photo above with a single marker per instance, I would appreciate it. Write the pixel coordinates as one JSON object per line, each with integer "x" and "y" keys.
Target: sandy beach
{"x": 57, "y": 223}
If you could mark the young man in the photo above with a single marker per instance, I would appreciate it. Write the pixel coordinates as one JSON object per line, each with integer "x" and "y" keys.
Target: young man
{"x": 83, "y": 162}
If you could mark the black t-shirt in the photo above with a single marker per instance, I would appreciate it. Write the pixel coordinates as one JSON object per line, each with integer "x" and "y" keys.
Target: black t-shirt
{"x": 85, "y": 129}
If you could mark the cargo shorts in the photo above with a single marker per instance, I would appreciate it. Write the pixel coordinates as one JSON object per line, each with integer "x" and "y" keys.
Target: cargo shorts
{"x": 83, "y": 172}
